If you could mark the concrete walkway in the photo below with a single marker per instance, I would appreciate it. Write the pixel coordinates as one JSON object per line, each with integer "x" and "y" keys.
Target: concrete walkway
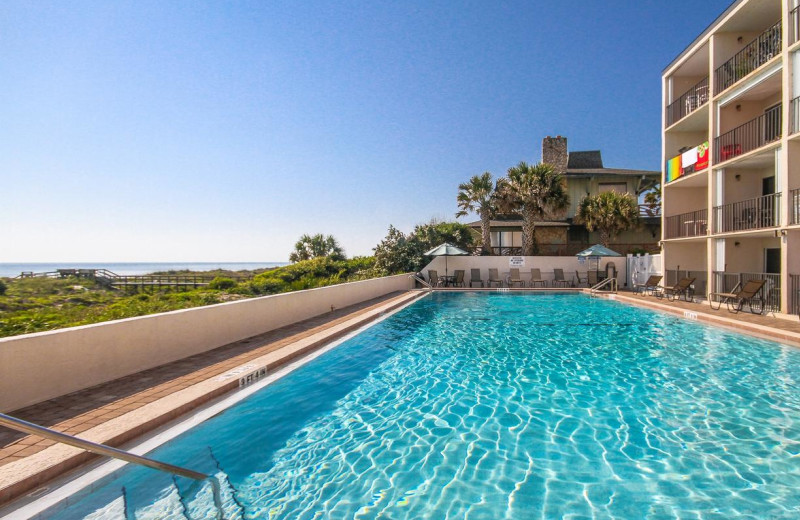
{"x": 118, "y": 411}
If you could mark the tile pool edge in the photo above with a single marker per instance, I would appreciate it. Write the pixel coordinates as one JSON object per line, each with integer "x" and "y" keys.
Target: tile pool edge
{"x": 21, "y": 479}
{"x": 752, "y": 329}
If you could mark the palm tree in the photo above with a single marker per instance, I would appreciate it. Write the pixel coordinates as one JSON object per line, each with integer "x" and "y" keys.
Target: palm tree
{"x": 316, "y": 246}
{"x": 610, "y": 213}
{"x": 535, "y": 191}
{"x": 478, "y": 196}
{"x": 653, "y": 200}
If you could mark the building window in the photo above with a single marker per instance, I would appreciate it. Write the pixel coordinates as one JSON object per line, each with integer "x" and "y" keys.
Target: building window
{"x": 619, "y": 187}
{"x": 578, "y": 234}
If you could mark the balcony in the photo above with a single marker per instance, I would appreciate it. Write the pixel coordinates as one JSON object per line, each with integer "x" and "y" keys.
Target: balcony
{"x": 794, "y": 116}
{"x": 794, "y": 25}
{"x": 756, "y": 53}
{"x": 692, "y": 224}
{"x": 688, "y": 102}
{"x": 757, "y": 213}
{"x": 692, "y": 159}
{"x": 753, "y": 134}
{"x": 794, "y": 209}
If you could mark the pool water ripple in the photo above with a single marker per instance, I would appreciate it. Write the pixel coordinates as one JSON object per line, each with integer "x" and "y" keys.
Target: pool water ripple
{"x": 556, "y": 406}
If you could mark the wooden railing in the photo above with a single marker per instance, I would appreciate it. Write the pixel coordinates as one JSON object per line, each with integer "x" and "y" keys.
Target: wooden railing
{"x": 756, "y": 53}
{"x": 688, "y": 102}
{"x": 571, "y": 249}
{"x": 691, "y": 224}
{"x": 749, "y": 136}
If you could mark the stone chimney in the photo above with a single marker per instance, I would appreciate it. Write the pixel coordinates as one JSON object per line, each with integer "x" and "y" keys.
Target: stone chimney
{"x": 554, "y": 152}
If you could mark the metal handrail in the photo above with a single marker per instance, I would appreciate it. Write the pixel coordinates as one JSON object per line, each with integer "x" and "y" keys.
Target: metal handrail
{"x": 107, "y": 451}
{"x": 421, "y": 280}
{"x": 612, "y": 281}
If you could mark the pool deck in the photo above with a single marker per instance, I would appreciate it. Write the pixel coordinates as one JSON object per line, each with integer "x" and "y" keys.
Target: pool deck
{"x": 768, "y": 327}
{"x": 121, "y": 410}
{"x": 118, "y": 411}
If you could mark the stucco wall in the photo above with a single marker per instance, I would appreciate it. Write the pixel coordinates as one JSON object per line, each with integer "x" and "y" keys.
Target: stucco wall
{"x": 37, "y": 367}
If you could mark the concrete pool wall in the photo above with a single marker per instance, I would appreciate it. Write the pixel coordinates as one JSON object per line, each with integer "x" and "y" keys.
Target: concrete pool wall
{"x": 44, "y": 365}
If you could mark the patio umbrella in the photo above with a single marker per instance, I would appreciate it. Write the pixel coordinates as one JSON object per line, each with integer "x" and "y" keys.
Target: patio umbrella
{"x": 446, "y": 250}
{"x": 596, "y": 251}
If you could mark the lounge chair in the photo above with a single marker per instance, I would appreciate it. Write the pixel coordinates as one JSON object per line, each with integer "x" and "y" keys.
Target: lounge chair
{"x": 650, "y": 286}
{"x": 433, "y": 278}
{"x": 494, "y": 277}
{"x": 458, "y": 278}
{"x": 559, "y": 280}
{"x": 515, "y": 278}
{"x": 682, "y": 288}
{"x": 536, "y": 278}
{"x": 579, "y": 280}
{"x": 475, "y": 276}
{"x": 747, "y": 295}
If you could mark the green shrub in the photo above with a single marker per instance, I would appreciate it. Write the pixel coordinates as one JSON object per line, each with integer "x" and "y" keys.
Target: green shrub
{"x": 3, "y": 287}
{"x": 220, "y": 284}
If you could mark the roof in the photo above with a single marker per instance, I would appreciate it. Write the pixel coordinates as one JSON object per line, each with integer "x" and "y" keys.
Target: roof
{"x": 613, "y": 171}
{"x": 579, "y": 160}
{"x": 703, "y": 34}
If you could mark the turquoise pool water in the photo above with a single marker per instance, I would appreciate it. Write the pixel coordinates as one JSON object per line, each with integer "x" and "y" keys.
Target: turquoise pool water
{"x": 500, "y": 406}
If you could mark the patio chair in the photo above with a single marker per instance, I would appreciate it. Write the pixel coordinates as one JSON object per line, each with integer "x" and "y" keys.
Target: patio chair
{"x": 651, "y": 285}
{"x": 458, "y": 278}
{"x": 592, "y": 279}
{"x": 579, "y": 280}
{"x": 681, "y": 289}
{"x": 747, "y": 295}
{"x": 433, "y": 278}
{"x": 475, "y": 276}
{"x": 536, "y": 278}
{"x": 515, "y": 278}
{"x": 494, "y": 277}
{"x": 559, "y": 280}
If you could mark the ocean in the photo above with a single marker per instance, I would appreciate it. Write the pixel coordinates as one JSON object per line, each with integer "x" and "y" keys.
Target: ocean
{"x": 130, "y": 268}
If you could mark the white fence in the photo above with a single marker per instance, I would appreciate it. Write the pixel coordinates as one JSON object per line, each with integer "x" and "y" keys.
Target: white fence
{"x": 641, "y": 267}
{"x": 44, "y": 365}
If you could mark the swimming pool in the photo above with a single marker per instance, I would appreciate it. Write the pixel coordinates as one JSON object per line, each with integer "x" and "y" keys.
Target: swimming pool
{"x": 500, "y": 405}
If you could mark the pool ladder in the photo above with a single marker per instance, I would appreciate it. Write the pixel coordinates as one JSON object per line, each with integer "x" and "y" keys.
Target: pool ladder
{"x": 422, "y": 281}
{"x": 612, "y": 282}
{"x": 107, "y": 451}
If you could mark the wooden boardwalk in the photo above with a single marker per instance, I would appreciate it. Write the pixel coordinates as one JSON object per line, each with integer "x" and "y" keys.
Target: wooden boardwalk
{"x": 111, "y": 279}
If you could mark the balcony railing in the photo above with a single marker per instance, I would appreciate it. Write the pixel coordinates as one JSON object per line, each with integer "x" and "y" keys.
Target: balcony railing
{"x": 573, "y": 248}
{"x": 794, "y": 209}
{"x": 757, "y": 213}
{"x": 727, "y": 282}
{"x": 649, "y": 210}
{"x": 753, "y": 134}
{"x": 689, "y": 101}
{"x": 756, "y": 53}
{"x": 700, "y": 285}
{"x": 794, "y": 116}
{"x": 794, "y": 294}
{"x": 692, "y": 224}
{"x": 794, "y": 25}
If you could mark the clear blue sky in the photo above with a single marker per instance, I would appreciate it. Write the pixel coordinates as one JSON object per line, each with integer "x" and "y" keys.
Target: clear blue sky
{"x": 222, "y": 131}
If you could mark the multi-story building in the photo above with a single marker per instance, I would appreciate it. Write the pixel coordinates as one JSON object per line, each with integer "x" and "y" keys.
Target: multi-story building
{"x": 584, "y": 174}
{"x": 731, "y": 151}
